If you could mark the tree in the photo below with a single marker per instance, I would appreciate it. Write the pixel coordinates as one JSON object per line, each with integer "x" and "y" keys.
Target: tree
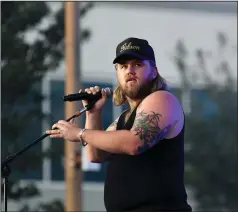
{"x": 24, "y": 63}
{"x": 211, "y": 147}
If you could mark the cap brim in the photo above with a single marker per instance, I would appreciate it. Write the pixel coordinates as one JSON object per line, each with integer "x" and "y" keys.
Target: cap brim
{"x": 128, "y": 55}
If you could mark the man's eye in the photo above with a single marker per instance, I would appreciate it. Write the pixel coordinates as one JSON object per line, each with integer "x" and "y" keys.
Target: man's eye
{"x": 138, "y": 65}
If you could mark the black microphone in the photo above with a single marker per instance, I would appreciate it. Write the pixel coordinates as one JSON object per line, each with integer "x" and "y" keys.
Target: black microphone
{"x": 88, "y": 97}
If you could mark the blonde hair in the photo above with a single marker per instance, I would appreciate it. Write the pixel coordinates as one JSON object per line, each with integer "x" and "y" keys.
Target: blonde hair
{"x": 158, "y": 83}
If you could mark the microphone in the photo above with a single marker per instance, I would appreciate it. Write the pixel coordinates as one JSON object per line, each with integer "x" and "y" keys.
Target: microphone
{"x": 88, "y": 97}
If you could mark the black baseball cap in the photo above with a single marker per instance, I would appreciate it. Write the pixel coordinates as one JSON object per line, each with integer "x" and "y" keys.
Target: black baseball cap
{"x": 132, "y": 48}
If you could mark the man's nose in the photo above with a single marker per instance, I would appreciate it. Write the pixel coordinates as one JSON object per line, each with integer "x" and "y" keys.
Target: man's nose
{"x": 130, "y": 69}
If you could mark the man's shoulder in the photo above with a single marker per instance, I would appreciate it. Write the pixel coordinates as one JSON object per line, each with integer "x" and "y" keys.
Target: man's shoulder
{"x": 160, "y": 97}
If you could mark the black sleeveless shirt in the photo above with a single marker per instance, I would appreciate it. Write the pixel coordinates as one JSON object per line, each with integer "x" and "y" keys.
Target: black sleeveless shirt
{"x": 150, "y": 182}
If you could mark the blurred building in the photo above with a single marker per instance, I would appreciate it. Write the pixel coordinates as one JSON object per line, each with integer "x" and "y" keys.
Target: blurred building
{"x": 163, "y": 24}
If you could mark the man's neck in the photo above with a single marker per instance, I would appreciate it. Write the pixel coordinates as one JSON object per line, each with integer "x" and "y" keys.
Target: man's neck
{"x": 133, "y": 103}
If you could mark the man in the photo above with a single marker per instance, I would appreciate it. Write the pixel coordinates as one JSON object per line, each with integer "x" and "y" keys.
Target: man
{"x": 145, "y": 145}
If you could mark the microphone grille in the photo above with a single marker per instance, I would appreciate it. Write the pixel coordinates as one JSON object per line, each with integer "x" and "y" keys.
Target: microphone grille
{"x": 108, "y": 91}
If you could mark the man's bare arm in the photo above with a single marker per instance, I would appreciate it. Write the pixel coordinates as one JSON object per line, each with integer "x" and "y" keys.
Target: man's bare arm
{"x": 153, "y": 124}
{"x": 158, "y": 116}
{"x": 94, "y": 154}
{"x": 147, "y": 128}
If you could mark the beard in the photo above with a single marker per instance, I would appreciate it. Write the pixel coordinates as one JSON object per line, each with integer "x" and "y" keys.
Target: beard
{"x": 136, "y": 91}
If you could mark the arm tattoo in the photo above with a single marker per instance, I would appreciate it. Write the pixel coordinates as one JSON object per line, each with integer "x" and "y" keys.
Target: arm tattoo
{"x": 146, "y": 126}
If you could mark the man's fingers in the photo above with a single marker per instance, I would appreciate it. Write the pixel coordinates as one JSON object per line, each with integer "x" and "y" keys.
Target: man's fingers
{"x": 53, "y": 131}
{"x": 92, "y": 90}
{"x": 72, "y": 121}
{"x": 88, "y": 90}
{"x": 97, "y": 88}
{"x": 63, "y": 122}
{"x": 60, "y": 125}
{"x": 56, "y": 136}
{"x": 54, "y": 127}
{"x": 104, "y": 94}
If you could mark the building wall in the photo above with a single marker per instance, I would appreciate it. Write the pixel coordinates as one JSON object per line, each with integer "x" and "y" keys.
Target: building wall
{"x": 162, "y": 27}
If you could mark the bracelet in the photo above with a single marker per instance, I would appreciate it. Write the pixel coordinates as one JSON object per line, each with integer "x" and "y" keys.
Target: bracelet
{"x": 84, "y": 143}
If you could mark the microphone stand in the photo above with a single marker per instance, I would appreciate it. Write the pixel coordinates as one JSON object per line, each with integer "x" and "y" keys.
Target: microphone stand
{"x": 5, "y": 168}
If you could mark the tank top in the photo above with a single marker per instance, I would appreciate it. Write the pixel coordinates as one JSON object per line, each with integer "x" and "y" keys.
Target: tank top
{"x": 150, "y": 182}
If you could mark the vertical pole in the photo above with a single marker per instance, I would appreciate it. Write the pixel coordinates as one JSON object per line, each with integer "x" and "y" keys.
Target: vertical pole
{"x": 73, "y": 173}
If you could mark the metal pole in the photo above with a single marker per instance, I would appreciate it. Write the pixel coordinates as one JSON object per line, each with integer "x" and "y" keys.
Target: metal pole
{"x": 73, "y": 173}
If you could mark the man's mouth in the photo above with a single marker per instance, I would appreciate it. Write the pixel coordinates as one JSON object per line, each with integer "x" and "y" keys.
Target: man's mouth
{"x": 131, "y": 80}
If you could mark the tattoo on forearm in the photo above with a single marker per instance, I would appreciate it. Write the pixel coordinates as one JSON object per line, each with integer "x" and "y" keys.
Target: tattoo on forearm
{"x": 146, "y": 126}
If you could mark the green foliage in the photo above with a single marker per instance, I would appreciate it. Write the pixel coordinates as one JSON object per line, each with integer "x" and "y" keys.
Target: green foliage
{"x": 211, "y": 139}
{"x": 30, "y": 49}
{"x": 213, "y": 154}
{"x": 54, "y": 206}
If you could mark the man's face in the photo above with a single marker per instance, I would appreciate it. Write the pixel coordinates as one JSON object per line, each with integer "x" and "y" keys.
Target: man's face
{"x": 135, "y": 77}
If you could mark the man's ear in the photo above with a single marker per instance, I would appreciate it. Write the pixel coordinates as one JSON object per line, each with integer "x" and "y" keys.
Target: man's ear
{"x": 155, "y": 72}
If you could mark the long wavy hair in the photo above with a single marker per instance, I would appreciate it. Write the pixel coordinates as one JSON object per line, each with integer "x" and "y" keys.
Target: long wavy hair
{"x": 158, "y": 83}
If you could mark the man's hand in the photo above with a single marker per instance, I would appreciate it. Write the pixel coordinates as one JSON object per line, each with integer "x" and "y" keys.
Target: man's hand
{"x": 66, "y": 130}
{"x": 97, "y": 108}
